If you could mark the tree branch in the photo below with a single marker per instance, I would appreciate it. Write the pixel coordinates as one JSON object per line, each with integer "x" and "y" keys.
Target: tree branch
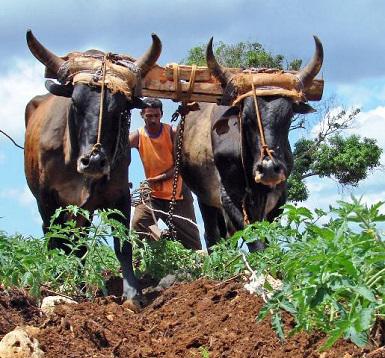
{"x": 304, "y": 176}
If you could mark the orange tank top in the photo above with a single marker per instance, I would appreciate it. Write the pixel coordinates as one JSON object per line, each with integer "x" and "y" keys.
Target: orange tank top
{"x": 156, "y": 153}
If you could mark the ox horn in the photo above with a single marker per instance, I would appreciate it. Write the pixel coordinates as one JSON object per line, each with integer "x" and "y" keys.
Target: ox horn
{"x": 148, "y": 60}
{"x": 311, "y": 70}
{"x": 219, "y": 72}
{"x": 46, "y": 57}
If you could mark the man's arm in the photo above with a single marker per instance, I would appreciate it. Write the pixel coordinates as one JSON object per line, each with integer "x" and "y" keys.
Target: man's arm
{"x": 133, "y": 139}
{"x": 164, "y": 176}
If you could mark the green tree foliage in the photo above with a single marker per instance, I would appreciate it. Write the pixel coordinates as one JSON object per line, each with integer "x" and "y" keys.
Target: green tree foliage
{"x": 330, "y": 154}
{"x": 347, "y": 159}
{"x": 242, "y": 54}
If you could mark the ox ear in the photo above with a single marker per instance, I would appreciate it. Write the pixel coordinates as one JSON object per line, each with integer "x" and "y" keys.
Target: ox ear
{"x": 58, "y": 89}
{"x": 303, "y": 108}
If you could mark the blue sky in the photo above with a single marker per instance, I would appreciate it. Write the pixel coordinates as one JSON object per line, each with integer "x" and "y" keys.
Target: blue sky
{"x": 354, "y": 67}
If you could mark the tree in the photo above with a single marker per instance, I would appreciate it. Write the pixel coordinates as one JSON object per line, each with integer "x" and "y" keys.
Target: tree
{"x": 242, "y": 54}
{"x": 330, "y": 153}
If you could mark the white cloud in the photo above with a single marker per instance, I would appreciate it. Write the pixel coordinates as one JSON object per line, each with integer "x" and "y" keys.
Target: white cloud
{"x": 362, "y": 93}
{"x": 17, "y": 87}
{"x": 371, "y": 124}
{"x": 23, "y": 196}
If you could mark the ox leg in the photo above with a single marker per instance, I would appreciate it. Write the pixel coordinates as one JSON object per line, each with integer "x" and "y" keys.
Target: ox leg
{"x": 123, "y": 251}
{"x": 47, "y": 205}
{"x": 234, "y": 214}
{"x": 214, "y": 224}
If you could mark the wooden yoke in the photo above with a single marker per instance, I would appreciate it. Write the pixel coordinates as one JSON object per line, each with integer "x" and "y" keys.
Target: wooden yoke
{"x": 159, "y": 83}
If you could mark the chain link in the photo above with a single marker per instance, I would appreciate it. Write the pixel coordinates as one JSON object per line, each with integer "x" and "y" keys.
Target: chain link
{"x": 178, "y": 157}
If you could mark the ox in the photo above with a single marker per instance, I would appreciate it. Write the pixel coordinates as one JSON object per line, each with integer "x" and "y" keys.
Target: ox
{"x": 224, "y": 162}
{"x": 62, "y": 164}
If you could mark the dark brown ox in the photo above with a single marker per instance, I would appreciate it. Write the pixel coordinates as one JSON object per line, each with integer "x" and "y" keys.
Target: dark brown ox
{"x": 223, "y": 161}
{"x": 63, "y": 166}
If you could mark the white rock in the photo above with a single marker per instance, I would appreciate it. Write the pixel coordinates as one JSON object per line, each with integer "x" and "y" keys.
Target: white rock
{"x": 20, "y": 343}
{"x": 48, "y": 304}
{"x": 256, "y": 285}
{"x": 166, "y": 282}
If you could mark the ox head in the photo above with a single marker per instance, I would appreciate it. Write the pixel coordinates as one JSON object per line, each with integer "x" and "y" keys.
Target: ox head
{"x": 83, "y": 116}
{"x": 276, "y": 113}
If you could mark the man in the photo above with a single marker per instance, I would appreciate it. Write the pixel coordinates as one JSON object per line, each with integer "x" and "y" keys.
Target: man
{"x": 155, "y": 143}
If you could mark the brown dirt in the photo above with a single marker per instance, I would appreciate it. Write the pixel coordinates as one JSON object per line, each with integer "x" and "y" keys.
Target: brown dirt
{"x": 183, "y": 321}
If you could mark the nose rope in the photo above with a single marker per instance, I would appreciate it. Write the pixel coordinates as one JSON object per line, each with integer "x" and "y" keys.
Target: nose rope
{"x": 98, "y": 145}
{"x": 264, "y": 147}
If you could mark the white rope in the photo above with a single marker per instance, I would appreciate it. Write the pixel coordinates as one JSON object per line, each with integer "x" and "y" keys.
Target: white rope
{"x": 176, "y": 216}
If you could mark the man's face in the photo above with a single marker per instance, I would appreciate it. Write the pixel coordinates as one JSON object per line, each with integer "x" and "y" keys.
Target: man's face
{"x": 152, "y": 117}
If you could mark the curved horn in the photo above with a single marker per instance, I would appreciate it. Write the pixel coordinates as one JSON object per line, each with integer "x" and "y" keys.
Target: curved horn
{"x": 148, "y": 60}
{"x": 45, "y": 56}
{"x": 219, "y": 72}
{"x": 307, "y": 74}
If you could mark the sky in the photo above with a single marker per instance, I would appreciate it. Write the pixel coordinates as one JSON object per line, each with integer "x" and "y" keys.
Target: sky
{"x": 354, "y": 67}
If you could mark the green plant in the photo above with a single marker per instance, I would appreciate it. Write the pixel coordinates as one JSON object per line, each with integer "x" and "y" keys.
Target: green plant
{"x": 204, "y": 352}
{"x": 332, "y": 273}
{"x": 27, "y": 262}
{"x": 163, "y": 257}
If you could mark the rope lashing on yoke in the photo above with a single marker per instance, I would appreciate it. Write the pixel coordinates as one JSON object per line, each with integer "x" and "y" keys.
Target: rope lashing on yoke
{"x": 121, "y": 74}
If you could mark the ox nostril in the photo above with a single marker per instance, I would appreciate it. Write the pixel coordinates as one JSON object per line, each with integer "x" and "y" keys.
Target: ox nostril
{"x": 85, "y": 161}
{"x": 277, "y": 168}
{"x": 102, "y": 163}
{"x": 260, "y": 168}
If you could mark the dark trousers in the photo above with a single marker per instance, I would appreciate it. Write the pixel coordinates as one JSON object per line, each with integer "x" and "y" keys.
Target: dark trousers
{"x": 186, "y": 232}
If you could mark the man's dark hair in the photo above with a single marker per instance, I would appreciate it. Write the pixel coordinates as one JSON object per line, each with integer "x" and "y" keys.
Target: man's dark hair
{"x": 152, "y": 103}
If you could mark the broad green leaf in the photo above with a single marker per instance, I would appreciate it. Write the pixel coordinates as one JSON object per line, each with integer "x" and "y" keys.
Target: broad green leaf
{"x": 288, "y": 306}
{"x": 365, "y": 318}
{"x": 276, "y": 323}
{"x": 364, "y": 292}
{"x": 333, "y": 337}
{"x": 358, "y": 338}
{"x": 318, "y": 297}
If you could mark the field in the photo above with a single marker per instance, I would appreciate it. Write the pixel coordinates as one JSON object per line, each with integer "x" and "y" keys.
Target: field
{"x": 316, "y": 291}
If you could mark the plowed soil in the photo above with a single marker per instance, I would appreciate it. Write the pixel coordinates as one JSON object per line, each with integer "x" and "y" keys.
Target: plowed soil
{"x": 197, "y": 319}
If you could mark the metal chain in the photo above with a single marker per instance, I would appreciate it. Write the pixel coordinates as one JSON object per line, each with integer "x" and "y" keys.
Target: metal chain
{"x": 178, "y": 157}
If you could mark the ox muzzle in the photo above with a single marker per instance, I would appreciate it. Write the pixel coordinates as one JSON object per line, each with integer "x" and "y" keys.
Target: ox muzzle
{"x": 270, "y": 172}
{"x": 94, "y": 164}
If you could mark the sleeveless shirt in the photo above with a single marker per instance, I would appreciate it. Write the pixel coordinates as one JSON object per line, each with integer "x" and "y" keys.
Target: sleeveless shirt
{"x": 156, "y": 153}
